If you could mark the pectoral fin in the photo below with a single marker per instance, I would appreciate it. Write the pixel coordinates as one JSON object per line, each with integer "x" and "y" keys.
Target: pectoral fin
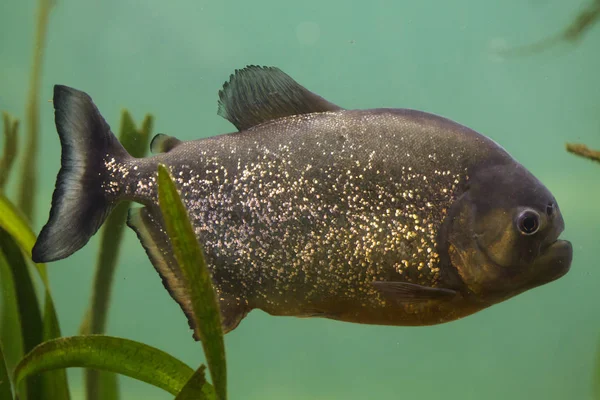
{"x": 411, "y": 292}
{"x": 316, "y": 313}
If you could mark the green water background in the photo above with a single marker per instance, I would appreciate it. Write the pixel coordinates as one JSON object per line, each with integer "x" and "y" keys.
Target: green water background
{"x": 171, "y": 58}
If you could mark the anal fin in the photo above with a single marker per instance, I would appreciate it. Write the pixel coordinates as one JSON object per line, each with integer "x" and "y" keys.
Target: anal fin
{"x": 231, "y": 313}
{"x": 153, "y": 237}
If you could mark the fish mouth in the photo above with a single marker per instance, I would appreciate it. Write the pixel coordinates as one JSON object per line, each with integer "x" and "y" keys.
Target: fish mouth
{"x": 554, "y": 261}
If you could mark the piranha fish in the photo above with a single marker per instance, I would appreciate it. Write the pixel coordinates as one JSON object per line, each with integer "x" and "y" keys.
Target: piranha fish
{"x": 381, "y": 216}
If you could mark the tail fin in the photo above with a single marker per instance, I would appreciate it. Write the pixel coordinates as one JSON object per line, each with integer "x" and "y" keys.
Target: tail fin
{"x": 79, "y": 204}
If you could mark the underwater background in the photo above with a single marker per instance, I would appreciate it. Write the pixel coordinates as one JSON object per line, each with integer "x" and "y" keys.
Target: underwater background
{"x": 171, "y": 58}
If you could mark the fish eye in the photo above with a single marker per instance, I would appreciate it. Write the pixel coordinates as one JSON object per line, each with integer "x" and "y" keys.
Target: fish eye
{"x": 528, "y": 222}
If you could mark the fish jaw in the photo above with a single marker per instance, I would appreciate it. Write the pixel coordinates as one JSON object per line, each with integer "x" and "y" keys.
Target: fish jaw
{"x": 554, "y": 262}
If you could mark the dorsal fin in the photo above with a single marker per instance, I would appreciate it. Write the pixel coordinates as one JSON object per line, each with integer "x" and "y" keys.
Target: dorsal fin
{"x": 162, "y": 143}
{"x": 255, "y": 95}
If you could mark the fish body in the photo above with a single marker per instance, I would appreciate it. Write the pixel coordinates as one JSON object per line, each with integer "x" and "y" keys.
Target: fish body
{"x": 380, "y": 216}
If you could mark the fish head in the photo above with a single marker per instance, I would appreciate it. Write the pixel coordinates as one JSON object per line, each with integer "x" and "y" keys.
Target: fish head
{"x": 503, "y": 234}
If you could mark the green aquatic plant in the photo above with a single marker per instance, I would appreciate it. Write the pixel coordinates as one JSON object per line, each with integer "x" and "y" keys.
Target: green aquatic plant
{"x": 196, "y": 388}
{"x": 37, "y": 355}
{"x": 101, "y": 385}
{"x": 582, "y": 23}
{"x": 9, "y": 332}
{"x": 28, "y": 179}
{"x": 583, "y": 151}
{"x": 138, "y": 360}
{"x": 5, "y": 389}
{"x": 16, "y": 242}
{"x": 38, "y": 332}
{"x": 31, "y": 332}
{"x": 12, "y": 265}
{"x": 133, "y": 359}
{"x": 9, "y": 153}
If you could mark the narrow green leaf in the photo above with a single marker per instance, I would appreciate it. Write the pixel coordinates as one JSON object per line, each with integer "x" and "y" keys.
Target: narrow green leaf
{"x": 14, "y": 223}
{"x": 106, "y": 353}
{"x": 11, "y": 127}
{"x": 110, "y": 241}
{"x": 102, "y": 385}
{"x": 190, "y": 258}
{"x": 135, "y": 140}
{"x": 30, "y": 317}
{"x": 28, "y": 184}
{"x": 29, "y": 310}
{"x": 582, "y": 23}
{"x": 85, "y": 327}
{"x": 56, "y": 385}
{"x": 51, "y": 328}
{"x": 5, "y": 390}
{"x": 108, "y": 384}
{"x": 147, "y": 125}
{"x": 10, "y": 326}
{"x": 197, "y": 388}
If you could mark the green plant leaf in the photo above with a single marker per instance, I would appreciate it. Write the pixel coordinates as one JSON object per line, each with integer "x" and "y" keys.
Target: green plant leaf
{"x": 190, "y": 258}
{"x": 11, "y": 127}
{"x": 106, "y": 353}
{"x": 136, "y": 141}
{"x": 29, "y": 310}
{"x": 108, "y": 385}
{"x": 197, "y": 388}
{"x": 13, "y": 265}
{"x": 14, "y": 224}
{"x": 10, "y": 327}
{"x": 103, "y": 385}
{"x": 5, "y": 389}
{"x": 56, "y": 385}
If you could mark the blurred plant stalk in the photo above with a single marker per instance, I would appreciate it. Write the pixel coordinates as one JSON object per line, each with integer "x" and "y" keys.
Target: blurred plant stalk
{"x": 583, "y": 151}
{"x": 11, "y": 127}
{"x": 584, "y": 21}
{"x": 28, "y": 180}
{"x": 103, "y": 385}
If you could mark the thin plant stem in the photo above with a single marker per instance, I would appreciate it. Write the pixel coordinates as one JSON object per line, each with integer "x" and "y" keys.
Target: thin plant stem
{"x": 28, "y": 182}
{"x": 583, "y": 151}
{"x": 103, "y": 385}
{"x": 11, "y": 127}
